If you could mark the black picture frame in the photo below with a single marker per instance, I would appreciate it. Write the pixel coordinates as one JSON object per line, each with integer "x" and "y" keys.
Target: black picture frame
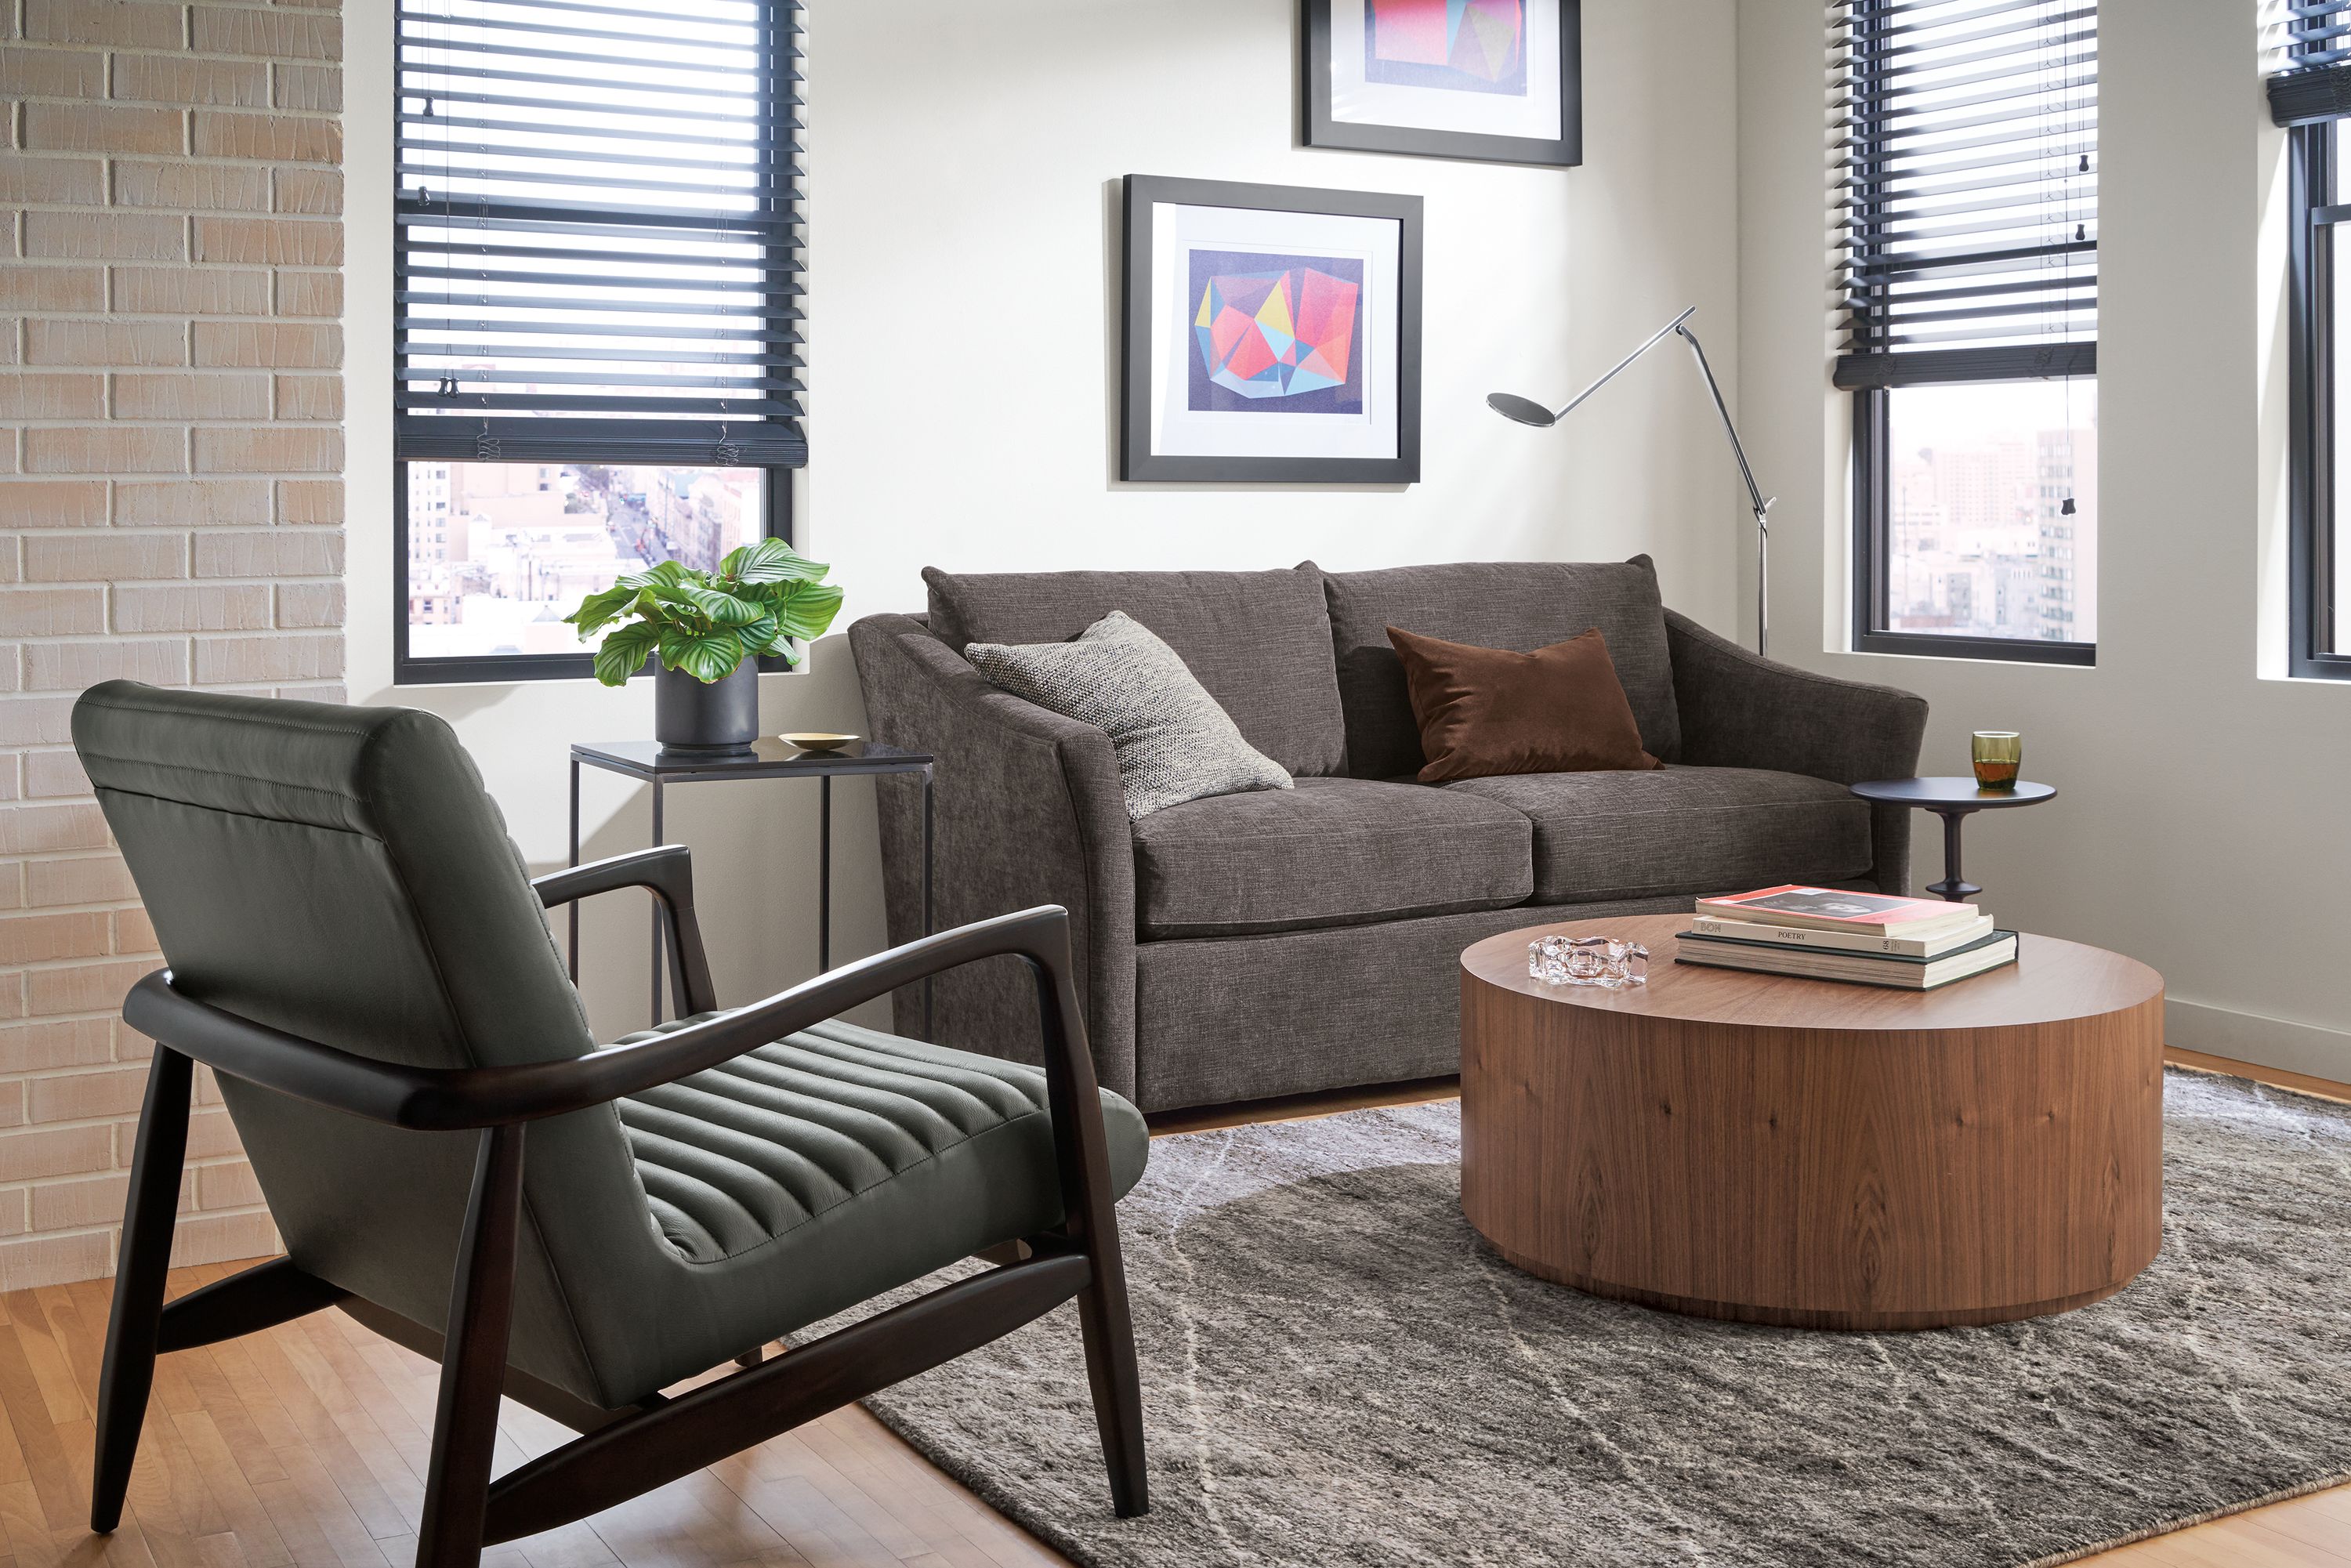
{"x": 1563, "y": 151}
{"x": 1137, "y": 461}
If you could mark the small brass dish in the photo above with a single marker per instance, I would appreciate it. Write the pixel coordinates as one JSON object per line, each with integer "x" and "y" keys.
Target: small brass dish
{"x": 817, "y": 741}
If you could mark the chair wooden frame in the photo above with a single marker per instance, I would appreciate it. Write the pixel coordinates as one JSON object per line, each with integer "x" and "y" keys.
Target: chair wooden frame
{"x": 619, "y": 1454}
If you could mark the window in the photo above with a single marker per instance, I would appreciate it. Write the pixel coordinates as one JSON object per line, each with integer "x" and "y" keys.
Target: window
{"x": 597, "y": 300}
{"x": 2310, "y": 90}
{"x": 1967, "y": 184}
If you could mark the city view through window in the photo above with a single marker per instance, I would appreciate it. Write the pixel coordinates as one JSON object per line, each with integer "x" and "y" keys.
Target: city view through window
{"x": 1992, "y": 510}
{"x": 498, "y": 553}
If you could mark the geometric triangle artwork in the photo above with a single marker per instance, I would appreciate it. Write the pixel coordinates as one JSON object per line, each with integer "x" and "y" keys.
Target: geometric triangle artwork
{"x": 1276, "y": 334}
{"x": 1479, "y": 38}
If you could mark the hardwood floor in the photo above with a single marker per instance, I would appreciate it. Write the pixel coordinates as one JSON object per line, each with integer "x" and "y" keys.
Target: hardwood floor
{"x": 304, "y": 1447}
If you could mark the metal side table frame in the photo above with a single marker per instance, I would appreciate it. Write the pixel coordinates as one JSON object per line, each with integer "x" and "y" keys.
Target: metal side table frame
{"x": 769, "y": 758}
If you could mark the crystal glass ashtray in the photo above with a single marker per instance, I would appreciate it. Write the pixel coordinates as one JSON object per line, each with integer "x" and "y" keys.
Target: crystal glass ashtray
{"x": 1587, "y": 961}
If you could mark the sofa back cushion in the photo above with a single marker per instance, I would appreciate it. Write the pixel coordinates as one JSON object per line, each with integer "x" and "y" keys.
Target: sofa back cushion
{"x": 1258, "y": 641}
{"x": 1518, "y": 605}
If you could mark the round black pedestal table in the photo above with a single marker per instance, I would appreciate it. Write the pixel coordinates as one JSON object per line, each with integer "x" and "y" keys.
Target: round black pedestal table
{"x": 1954, "y": 801}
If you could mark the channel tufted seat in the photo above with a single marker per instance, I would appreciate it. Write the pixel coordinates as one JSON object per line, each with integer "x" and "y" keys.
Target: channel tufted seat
{"x": 356, "y": 950}
{"x": 898, "y": 1134}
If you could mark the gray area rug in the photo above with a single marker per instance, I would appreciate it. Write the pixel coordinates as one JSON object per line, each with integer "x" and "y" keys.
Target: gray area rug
{"x": 1335, "y": 1373}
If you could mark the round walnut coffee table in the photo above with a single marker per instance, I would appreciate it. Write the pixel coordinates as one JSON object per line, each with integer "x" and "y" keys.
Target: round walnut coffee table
{"x": 1813, "y": 1154}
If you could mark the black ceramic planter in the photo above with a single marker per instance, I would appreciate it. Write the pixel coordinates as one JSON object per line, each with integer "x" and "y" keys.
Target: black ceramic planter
{"x": 691, "y": 719}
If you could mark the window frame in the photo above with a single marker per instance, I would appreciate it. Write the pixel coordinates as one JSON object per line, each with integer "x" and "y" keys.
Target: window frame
{"x": 580, "y": 438}
{"x": 498, "y": 669}
{"x": 2312, "y": 611}
{"x": 1871, "y": 468}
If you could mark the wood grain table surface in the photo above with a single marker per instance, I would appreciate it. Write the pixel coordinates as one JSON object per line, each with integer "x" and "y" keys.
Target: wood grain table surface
{"x": 1816, "y": 1153}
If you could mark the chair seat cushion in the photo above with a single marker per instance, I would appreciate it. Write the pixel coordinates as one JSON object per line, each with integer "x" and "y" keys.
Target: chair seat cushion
{"x": 1330, "y": 851}
{"x": 1681, "y": 830}
{"x": 846, "y": 1154}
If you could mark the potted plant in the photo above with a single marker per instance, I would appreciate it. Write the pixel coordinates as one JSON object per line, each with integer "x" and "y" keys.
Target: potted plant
{"x": 708, "y": 632}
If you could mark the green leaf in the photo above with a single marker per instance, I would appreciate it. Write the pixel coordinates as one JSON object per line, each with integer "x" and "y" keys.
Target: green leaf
{"x": 760, "y": 635}
{"x": 724, "y": 608}
{"x": 598, "y": 609}
{"x": 670, "y": 595}
{"x": 623, "y": 653}
{"x": 709, "y": 657}
{"x": 772, "y": 560}
{"x": 807, "y": 609}
{"x": 769, "y": 641}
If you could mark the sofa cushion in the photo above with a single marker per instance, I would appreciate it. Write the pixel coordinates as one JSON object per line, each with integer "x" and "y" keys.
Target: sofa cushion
{"x": 1258, "y": 641}
{"x": 1173, "y": 743}
{"x": 1486, "y": 711}
{"x": 1518, "y": 605}
{"x": 1331, "y": 852}
{"x": 1681, "y": 830}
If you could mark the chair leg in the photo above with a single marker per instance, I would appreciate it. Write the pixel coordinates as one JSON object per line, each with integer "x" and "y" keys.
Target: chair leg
{"x": 473, "y": 1358}
{"x": 1108, "y": 1334}
{"x": 129, "y": 1370}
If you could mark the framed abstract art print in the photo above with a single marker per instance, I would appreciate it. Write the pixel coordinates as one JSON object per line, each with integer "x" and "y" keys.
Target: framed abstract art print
{"x": 1497, "y": 79}
{"x": 1271, "y": 333}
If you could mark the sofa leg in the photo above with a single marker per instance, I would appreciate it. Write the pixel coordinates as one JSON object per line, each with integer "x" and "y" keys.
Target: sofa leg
{"x": 1108, "y": 1334}
{"x": 129, "y": 1370}
{"x": 473, "y": 1358}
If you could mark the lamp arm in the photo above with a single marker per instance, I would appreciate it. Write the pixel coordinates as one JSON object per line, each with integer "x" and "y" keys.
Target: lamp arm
{"x": 1754, "y": 491}
{"x": 1526, "y": 410}
{"x": 1610, "y": 373}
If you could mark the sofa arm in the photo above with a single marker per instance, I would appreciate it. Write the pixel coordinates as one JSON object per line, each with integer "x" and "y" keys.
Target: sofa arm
{"x": 1741, "y": 710}
{"x": 1028, "y": 810}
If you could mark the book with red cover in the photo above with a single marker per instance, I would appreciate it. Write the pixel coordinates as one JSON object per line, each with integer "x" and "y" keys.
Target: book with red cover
{"x": 1835, "y": 909}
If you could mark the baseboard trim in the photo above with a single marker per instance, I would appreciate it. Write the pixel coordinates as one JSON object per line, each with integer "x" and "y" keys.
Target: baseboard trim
{"x": 2309, "y": 1048}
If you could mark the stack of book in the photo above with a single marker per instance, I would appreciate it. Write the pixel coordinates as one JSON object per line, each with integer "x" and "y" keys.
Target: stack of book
{"x": 1864, "y": 938}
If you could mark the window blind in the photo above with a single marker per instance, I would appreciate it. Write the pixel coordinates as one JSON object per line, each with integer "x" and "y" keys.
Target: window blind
{"x": 1967, "y": 188}
{"x": 2307, "y": 58}
{"x": 596, "y": 244}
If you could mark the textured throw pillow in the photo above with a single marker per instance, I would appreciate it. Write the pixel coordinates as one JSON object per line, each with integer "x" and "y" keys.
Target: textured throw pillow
{"x": 1487, "y": 711}
{"x": 1173, "y": 743}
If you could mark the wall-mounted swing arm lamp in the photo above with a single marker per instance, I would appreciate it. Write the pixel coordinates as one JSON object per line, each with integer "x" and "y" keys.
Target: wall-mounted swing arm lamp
{"x": 1526, "y": 410}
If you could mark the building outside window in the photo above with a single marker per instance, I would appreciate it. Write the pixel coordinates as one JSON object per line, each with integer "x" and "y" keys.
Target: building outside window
{"x": 1966, "y": 179}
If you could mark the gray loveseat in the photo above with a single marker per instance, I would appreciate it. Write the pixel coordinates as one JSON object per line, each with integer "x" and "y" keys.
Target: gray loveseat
{"x": 1285, "y": 941}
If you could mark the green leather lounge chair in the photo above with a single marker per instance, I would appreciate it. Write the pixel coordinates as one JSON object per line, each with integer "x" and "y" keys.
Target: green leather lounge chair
{"x": 356, "y": 950}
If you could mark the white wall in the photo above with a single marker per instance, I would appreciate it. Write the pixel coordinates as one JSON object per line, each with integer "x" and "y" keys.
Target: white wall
{"x": 962, "y": 166}
{"x": 2200, "y": 824}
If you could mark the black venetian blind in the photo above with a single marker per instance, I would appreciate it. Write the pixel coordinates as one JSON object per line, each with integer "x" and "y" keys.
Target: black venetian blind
{"x": 597, "y": 241}
{"x": 1968, "y": 188}
{"x": 2310, "y": 62}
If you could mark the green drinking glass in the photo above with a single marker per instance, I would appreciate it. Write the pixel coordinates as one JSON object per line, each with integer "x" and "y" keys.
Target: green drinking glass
{"x": 1999, "y": 756}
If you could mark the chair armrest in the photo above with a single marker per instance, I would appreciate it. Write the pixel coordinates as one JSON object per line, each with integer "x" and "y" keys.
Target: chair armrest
{"x": 667, "y": 870}
{"x": 452, "y": 1099}
{"x": 1029, "y": 810}
{"x": 1741, "y": 710}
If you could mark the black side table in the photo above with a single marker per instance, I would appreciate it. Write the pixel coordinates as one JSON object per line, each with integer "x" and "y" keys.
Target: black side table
{"x": 768, "y": 758}
{"x": 1953, "y": 799}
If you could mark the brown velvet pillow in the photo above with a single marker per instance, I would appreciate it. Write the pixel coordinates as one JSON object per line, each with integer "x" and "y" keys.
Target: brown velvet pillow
{"x": 1485, "y": 711}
